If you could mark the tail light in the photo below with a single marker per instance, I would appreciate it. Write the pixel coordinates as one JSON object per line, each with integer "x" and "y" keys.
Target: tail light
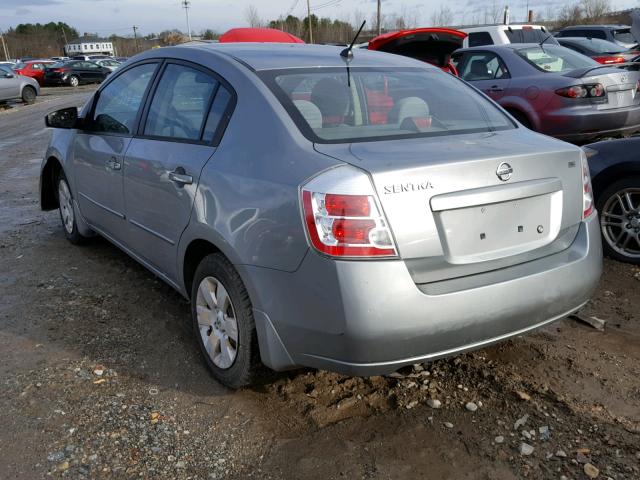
{"x": 343, "y": 217}
{"x": 587, "y": 190}
{"x": 609, "y": 60}
{"x": 595, "y": 90}
{"x": 57, "y": 69}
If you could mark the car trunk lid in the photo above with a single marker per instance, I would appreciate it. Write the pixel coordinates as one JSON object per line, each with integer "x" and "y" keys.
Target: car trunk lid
{"x": 431, "y": 45}
{"x": 475, "y": 203}
{"x": 621, "y": 86}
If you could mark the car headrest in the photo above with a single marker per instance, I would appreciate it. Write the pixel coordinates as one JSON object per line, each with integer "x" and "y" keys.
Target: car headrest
{"x": 479, "y": 68}
{"x": 408, "y": 107}
{"x": 331, "y": 97}
{"x": 310, "y": 112}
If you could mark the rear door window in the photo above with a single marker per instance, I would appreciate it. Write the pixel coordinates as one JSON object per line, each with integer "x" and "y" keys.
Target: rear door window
{"x": 484, "y": 66}
{"x": 118, "y": 103}
{"x": 624, "y": 35}
{"x": 479, "y": 39}
{"x": 180, "y": 103}
{"x": 528, "y": 35}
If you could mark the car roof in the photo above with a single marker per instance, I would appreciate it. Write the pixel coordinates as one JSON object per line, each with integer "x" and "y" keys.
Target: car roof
{"x": 499, "y": 26}
{"x": 593, "y": 27}
{"x": 274, "y": 56}
{"x": 507, "y": 46}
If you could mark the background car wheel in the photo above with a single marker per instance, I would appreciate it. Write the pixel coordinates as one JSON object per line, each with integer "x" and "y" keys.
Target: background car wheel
{"x": 74, "y": 81}
{"x": 67, "y": 213}
{"x": 619, "y": 209}
{"x": 223, "y": 322}
{"x": 28, "y": 95}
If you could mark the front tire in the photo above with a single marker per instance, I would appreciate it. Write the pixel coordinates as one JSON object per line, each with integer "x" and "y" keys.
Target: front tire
{"x": 619, "y": 209}
{"x": 74, "y": 81}
{"x": 67, "y": 213}
{"x": 29, "y": 95}
{"x": 223, "y": 322}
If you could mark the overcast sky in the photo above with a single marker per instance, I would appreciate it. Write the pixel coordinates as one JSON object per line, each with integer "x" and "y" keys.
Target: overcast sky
{"x": 117, "y": 16}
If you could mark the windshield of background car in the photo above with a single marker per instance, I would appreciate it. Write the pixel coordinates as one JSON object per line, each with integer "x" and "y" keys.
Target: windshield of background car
{"x": 624, "y": 35}
{"x": 529, "y": 35}
{"x": 600, "y": 46}
{"x": 59, "y": 64}
{"x": 554, "y": 59}
{"x": 330, "y": 106}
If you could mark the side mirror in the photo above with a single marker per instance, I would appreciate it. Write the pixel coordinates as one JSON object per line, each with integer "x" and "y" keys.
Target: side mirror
{"x": 64, "y": 118}
{"x": 9, "y": 75}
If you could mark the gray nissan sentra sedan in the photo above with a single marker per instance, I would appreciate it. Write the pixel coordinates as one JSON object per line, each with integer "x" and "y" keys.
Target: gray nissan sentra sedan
{"x": 351, "y": 219}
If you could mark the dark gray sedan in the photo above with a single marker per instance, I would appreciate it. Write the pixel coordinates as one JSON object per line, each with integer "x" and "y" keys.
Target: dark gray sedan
{"x": 354, "y": 215}
{"x": 554, "y": 90}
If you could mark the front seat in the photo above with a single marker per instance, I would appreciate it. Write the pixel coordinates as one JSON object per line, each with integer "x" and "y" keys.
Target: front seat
{"x": 332, "y": 98}
{"x": 478, "y": 71}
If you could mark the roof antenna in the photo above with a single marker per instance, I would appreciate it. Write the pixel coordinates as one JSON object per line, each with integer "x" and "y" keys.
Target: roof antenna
{"x": 347, "y": 53}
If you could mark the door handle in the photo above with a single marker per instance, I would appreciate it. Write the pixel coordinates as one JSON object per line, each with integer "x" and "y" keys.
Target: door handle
{"x": 114, "y": 164}
{"x": 180, "y": 177}
{"x": 496, "y": 88}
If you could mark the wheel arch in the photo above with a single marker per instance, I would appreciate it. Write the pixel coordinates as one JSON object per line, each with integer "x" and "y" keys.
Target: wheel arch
{"x": 48, "y": 177}
{"x": 613, "y": 173}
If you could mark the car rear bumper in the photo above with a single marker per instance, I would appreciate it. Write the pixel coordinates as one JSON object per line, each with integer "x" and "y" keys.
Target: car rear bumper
{"x": 370, "y": 318}
{"x": 578, "y": 125}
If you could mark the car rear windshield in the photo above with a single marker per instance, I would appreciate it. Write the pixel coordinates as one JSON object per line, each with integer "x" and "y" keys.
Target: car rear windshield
{"x": 554, "y": 59}
{"x": 58, "y": 64}
{"x": 599, "y": 46}
{"x": 528, "y": 35}
{"x": 624, "y": 35}
{"x": 330, "y": 105}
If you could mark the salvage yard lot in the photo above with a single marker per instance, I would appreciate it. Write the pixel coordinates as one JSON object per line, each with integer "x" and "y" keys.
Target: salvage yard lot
{"x": 100, "y": 376}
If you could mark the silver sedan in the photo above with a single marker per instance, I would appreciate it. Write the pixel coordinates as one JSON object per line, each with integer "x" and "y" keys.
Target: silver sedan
{"x": 355, "y": 212}
{"x": 14, "y": 86}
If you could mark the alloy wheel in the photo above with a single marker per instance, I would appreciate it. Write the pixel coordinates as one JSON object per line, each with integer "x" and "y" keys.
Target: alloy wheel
{"x": 620, "y": 222}
{"x": 66, "y": 206}
{"x": 217, "y": 322}
{"x": 73, "y": 81}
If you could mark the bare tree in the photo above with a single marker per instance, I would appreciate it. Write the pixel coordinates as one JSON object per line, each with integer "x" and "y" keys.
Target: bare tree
{"x": 252, "y": 17}
{"x": 442, "y": 17}
{"x": 595, "y": 9}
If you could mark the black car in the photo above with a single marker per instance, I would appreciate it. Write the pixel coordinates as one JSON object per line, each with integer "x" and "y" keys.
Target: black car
{"x": 74, "y": 73}
{"x": 618, "y": 34}
{"x": 602, "y": 51}
{"x": 615, "y": 175}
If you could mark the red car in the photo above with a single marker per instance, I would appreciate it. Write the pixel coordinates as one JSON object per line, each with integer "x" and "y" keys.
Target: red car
{"x": 33, "y": 69}
{"x": 431, "y": 45}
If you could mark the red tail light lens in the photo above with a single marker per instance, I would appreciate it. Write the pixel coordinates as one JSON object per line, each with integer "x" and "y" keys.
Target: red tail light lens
{"x": 346, "y": 225}
{"x": 595, "y": 90}
{"x": 347, "y": 205}
{"x": 609, "y": 60}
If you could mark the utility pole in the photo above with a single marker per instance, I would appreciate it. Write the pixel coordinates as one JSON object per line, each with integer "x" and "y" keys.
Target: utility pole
{"x": 135, "y": 36}
{"x": 64, "y": 35}
{"x": 309, "y": 18}
{"x": 4, "y": 47}
{"x": 185, "y": 5}
{"x": 379, "y": 17}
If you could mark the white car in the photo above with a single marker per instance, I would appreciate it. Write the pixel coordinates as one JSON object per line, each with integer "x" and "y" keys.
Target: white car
{"x": 504, "y": 34}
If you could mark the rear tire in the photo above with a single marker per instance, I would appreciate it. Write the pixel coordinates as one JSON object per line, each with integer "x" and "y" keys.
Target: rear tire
{"x": 74, "y": 81}
{"x": 620, "y": 220}
{"x": 29, "y": 95}
{"x": 67, "y": 213}
{"x": 223, "y": 322}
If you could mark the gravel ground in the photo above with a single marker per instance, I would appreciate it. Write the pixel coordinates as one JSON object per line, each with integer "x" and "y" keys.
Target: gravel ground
{"x": 100, "y": 376}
